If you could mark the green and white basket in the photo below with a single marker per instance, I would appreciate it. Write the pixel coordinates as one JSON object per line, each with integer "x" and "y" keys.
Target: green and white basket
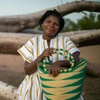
{"x": 68, "y": 84}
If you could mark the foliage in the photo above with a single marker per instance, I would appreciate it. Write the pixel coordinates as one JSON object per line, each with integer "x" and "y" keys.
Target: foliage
{"x": 69, "y": 25}
{"x": 88, "y": 22}
{"x": 39, "y": 28}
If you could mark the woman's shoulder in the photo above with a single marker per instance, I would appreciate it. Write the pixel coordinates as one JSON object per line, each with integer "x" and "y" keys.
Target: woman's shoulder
{"x": 36, "y": 37}
{"x": 63, "y": 37}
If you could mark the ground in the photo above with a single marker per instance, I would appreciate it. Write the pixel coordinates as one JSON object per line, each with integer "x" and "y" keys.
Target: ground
{"x": 12, "y": 71}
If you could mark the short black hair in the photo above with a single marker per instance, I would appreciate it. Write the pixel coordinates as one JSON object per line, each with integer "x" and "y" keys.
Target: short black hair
{"x": 54, "y": 13}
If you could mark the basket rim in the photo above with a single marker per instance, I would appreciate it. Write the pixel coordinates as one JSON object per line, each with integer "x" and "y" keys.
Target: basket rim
{"x": 81, "y": 62}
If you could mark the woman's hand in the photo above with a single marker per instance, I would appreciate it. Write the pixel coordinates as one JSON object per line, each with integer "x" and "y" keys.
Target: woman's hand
{"x": 54, "y": 69}
{"x": 47, "y": 52}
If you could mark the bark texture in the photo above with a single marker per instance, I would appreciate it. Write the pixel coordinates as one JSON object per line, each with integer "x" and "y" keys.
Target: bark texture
{"x": 93, "y": 70}
{"x": 10, "y": 42}
{"x": 7, "y": 91}
{"x": 19, "y": 22}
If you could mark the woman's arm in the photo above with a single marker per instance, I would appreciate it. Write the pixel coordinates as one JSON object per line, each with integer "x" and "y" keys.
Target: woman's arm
{"x": 76, "y": 57}
{"x": 65, "y": 63}
{"x": 55, "y": 67}
{"x": 32, "y": 67}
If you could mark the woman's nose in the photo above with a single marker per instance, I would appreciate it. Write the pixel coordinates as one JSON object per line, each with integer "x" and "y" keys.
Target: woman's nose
{"x": 51, "y": 24}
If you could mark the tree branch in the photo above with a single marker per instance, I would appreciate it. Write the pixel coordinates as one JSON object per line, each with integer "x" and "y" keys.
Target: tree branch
{"x": 7, "y": 91}
{"x": 10, "y": 42}
{"x": 19, "y": 22}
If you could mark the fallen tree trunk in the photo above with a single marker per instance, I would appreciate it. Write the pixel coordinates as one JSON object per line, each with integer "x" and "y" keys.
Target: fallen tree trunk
{"x": 84, "y": 38}
{"x": 92, "y": 69}
{"x": 8, "y": 92}
{"x": 20, "y": 22}
{"x": 10, "y": 42}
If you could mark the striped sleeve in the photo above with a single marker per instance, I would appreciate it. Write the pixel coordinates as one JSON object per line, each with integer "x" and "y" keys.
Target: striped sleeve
{"x": 26, "y": 51}
{"x": 70, "y": 46}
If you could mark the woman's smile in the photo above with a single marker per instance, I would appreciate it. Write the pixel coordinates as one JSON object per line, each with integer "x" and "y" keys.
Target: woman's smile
{"x": 51, "y": 30}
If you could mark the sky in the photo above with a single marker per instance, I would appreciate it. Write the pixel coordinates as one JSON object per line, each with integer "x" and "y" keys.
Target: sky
{"x": 17, "y": 7}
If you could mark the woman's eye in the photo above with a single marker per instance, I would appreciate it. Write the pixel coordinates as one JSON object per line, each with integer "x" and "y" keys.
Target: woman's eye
{"x": 56, "y": 24}
{"x": 48, "y": 21}
{"x": 53, "y": 23}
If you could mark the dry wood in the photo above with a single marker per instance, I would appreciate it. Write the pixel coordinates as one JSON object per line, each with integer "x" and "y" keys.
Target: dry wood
{"x": 7, "y": 91}
{"x": 92, "y": 69}
{"x": 10, "y": 42}
{"x": 17, "y": 23}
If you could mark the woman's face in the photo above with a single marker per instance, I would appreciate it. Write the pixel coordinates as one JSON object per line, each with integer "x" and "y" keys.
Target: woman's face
{"x": 51, "y": 25}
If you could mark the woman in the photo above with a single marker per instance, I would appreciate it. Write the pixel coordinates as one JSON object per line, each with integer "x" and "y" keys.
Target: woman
{"x": 41, "y": 46}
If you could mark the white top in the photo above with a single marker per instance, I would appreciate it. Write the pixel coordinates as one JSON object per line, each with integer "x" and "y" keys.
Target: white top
{"x": 36, "y": 45}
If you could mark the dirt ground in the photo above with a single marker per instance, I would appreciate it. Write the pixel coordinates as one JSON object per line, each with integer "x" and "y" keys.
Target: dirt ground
{"x": 12, "y": 71}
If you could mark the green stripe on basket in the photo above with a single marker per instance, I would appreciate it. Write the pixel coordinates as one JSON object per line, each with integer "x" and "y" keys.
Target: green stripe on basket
{"x": 75, "y": 84}
{"x": 48, "y": 98}
{"x": 40, "y": 68}
{"x": 74, "y": 91}
{"x": 45, "y": 86}
{"x": 75, "y": 97}
{"x": 81, "y": 62}
{"x": 78, "y": 75}
{"x": 72, "y": 98}
{"x": 45, "y": 79}
{"x": 47, "y": 93}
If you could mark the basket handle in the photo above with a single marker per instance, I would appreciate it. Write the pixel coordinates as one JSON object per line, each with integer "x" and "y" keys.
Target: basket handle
{"x": 70, "y": 59}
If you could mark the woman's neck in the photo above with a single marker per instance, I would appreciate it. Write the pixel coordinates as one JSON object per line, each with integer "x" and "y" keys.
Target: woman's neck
{"x": 47, "y": 37}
